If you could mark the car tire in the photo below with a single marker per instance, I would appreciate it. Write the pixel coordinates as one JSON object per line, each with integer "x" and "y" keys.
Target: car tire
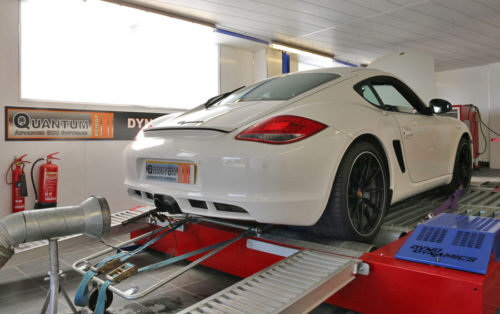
{"x": 462, "y": 169}
{"x": 359, "y": 197}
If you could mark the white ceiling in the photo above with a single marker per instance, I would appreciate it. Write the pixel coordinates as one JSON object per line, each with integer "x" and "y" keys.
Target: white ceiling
{"x": 459, "y": 33}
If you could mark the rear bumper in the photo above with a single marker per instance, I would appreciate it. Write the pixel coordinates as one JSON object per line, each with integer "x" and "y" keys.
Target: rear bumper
{"x": 281, "y": 184}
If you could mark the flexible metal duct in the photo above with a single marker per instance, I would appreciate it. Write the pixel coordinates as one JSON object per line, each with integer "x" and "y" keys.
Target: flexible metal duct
{"x": 92, "y": 218}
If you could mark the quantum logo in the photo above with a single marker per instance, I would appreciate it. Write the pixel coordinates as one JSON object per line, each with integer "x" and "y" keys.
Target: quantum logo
{"x": 162, "y": 171}
{"x": 25, "y": 121}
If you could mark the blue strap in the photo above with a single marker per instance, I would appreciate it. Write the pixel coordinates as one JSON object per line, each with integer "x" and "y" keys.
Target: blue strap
{"x": 152, "y": 241}
{"x": 191, "y": 254}
{"x": 101, "y": 300}
{"x": 450, "y": 203}
{"x": 83, "y": 290}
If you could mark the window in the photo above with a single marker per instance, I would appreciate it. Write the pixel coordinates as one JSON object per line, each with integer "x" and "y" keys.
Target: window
{"x": 391, "y": 97}
{"x": 368, "y": 94}
{"x": 98, "y": 52}
{"x": 282, "y": 88}
{"x": 394, "y": 95}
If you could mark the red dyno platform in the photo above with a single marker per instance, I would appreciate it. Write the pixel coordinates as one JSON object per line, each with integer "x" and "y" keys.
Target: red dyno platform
{"x": 393, "y": 286}
{"x": 397, "y": 286}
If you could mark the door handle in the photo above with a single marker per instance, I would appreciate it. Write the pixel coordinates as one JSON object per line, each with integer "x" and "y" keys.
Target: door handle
{"x": 407, "y": 132}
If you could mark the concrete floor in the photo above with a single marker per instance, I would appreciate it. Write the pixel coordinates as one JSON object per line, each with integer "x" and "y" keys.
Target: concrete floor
{"x": 23, "y": 288}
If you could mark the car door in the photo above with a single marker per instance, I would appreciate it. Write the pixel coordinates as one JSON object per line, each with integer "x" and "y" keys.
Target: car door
{"x": 425, "y": 141}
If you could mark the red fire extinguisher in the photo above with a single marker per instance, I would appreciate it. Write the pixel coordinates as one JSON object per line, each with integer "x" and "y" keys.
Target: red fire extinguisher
{"x": 46, "y": 197}
{"x": 18, "y": 182}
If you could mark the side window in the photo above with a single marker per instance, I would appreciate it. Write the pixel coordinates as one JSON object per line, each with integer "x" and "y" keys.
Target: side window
{"x": 368, "y": 94}
{"x": 391, "y": 96}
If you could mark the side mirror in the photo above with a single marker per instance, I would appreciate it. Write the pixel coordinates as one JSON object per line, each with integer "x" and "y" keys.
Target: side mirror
{"x": 440, "y": 106}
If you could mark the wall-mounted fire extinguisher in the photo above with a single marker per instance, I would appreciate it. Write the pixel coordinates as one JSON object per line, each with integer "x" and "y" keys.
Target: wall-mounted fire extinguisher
{"x": 46, "y": 196}
{"x": 18, "y": 182}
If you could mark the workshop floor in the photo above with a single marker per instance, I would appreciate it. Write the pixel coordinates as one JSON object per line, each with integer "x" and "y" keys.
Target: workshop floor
{"x": 23, "y": 288}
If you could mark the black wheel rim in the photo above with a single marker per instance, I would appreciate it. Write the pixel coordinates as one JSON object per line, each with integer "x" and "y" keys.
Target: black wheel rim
{"x": 464, "y": 171}
{"x": 366, "y": 193}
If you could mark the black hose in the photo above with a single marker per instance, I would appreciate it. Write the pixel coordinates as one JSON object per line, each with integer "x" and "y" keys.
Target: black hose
{"x": 481, "y": 123}
{"x": 480, "y": 127}
{"x": 481, "y": 120}
{"x": 33, "y": 180}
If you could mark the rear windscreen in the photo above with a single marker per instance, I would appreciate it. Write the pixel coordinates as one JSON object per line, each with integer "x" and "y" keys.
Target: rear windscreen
{"x": 281, "y": 88}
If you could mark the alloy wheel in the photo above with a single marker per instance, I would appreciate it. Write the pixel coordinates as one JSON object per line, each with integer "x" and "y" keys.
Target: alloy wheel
{"x": 464, "y": 166}
{"x": 366, "y": 193}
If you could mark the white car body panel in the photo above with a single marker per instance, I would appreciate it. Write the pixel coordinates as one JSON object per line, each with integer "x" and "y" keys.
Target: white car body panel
{"x": 289, "y": 183}
{"x": 232, "y": 174}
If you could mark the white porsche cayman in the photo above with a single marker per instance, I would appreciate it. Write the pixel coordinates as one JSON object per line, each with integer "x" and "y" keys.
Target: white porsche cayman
{"x": 330, "y": 148}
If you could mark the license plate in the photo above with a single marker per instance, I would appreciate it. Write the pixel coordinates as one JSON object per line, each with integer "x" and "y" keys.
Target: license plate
{"x": 175, "y": 172}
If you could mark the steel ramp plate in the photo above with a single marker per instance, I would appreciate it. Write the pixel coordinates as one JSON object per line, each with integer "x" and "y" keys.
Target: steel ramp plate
{"x": 454, "y": 241}
{"x": 296, "y": 284}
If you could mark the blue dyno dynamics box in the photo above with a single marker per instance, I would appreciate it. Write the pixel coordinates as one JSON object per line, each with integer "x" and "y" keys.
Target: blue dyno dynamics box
{"x": 454, "y": 241}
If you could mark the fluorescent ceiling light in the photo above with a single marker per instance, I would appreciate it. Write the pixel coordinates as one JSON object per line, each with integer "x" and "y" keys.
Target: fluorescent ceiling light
{"x": 301, "y": 51}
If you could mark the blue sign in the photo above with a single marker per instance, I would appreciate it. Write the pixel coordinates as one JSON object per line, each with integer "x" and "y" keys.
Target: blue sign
{"x": 454, "y": 241}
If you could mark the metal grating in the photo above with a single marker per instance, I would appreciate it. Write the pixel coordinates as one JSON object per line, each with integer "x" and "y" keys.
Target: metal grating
{"x": 479, "y": 201}
{"x": 287, "y": 286}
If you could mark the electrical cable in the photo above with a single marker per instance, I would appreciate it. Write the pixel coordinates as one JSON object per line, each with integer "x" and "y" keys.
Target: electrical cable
{"x": 482, "y": 133}
{"x": 155, "y": 224}
{"x": 101, "y": 239}
{"x": 33, "y": 181}
{"x": 175, "y": 238}
{"x": 480, "y": 128}
{"x": 7, "y": 173}
{"x": 481, "y": 121}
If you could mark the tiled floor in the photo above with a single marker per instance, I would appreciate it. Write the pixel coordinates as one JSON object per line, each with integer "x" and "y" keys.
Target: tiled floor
{"x": 23, "y": 288}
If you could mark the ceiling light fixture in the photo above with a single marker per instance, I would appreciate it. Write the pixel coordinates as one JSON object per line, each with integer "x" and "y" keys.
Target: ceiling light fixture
{"x": 302, "y": 51}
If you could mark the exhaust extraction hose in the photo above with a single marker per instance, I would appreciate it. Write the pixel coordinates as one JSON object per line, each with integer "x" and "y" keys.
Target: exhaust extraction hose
{"x": 92, "y": 218}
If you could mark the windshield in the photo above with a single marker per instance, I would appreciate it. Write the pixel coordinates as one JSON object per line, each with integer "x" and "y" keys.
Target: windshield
{"x": 281, "y": 88}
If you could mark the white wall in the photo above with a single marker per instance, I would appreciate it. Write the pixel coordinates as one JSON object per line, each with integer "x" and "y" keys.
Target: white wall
{"x": 86, "y": 167}
{"x": 469, "y": 86}
{"x": 236, "y": 68}
{"x": 259, "y": 65}
{"x": 274, "y": 60}
{"x": 494, "y": 114}
{"x": 416, "y": 68}
{"x": 267, "y": 62}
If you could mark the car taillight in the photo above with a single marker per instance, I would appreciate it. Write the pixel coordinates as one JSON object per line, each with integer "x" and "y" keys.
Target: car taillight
{"x": 281, "y": 130}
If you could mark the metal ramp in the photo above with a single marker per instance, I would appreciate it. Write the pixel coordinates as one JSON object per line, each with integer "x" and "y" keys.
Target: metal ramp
{"x": 480, "y": 200}
{"x": 296, "y": 284}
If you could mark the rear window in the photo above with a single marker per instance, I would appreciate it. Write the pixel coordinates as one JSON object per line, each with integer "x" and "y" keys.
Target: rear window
{"x": 282, "y": 88}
